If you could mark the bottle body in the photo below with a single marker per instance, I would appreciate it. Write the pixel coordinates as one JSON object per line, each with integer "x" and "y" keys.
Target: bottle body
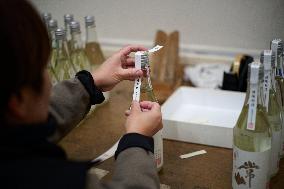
{"x": 78, "y": 56}
{"x": 280, "y": 97}
{"x": 92, "y": 48}
{"x": 147, "y": 94}
{"x": 63, "y": 66}
{"x": 275, "y": 122}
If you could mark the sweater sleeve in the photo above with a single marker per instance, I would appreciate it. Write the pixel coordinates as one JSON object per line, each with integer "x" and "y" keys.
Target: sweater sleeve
{"x": 71, "y": 101}
{"x": 134, "y": 166}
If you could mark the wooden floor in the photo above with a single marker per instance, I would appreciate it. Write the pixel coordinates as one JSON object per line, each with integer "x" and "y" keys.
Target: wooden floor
{"x": 102, "y": 128}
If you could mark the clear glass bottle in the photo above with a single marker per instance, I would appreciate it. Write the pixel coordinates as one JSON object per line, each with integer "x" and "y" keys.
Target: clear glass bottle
{"x": 52, "y": 26}
{"x": 46, "y": 17}
{"x": 78, "y": 56}
{"x": 63, "y": 66}
{"x": 252, "y": 137}
{"x": 147, "y": 93}
{"x": 267, "y": 58}
{"x": 68, "y": 18}
{"x": 277, "y": 48}
{"x": 92, "y": 48}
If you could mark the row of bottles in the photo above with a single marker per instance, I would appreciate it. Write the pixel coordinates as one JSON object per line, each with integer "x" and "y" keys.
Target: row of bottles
{"x": 258, "y": 134}
{"x": 69, "y": 53}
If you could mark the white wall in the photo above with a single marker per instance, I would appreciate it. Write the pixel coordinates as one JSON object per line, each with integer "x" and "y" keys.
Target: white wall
{"x": 218, "y": 26}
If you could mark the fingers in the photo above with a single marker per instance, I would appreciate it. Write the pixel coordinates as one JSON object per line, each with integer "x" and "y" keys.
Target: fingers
{"x": 135, "y": 107}
{"x": 130, "y": 73}
{"x": 153, "y": 106}
{"x": 127, "y": 112}
{"x": 131, "y": 48}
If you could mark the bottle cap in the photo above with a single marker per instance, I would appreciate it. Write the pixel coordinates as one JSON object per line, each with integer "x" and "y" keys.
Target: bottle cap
{"x": 68, "y": 18}
{"x": 60, "y": 33}
{"x": 267, "y": 58}
{"x": 277, "y": 46}
{"x": 74, "y": 26}
{"x": 255, "y": 72}
{"x": 89, "y": 21}
{"x": 52, "y": 24}
{"x": 46, "y": 16}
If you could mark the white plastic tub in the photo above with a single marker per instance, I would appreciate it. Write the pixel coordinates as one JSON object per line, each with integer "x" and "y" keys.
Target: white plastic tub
{"x": 203, "y": 116}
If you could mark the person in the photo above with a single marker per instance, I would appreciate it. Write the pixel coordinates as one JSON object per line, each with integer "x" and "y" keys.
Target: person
{"x": 34, "y": 115}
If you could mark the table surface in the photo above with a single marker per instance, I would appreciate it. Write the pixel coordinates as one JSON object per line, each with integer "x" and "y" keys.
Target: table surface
{"x": 105, "y": 125}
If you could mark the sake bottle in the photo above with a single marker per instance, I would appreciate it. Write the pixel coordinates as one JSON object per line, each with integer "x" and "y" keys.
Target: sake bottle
{"x": 63, "y": 65}
{"x": 78, "y": 56}
{"x": 267, "y": 58}
{"x": 147, "y": 94}
{"x": 52, "y": 26}
{"x": 46, "y": 17}
{"x": 68, "y": 18}
{"x": 252, "y": 137}
{"x": 277, "y": 48}
{"x": 92, "y": 48}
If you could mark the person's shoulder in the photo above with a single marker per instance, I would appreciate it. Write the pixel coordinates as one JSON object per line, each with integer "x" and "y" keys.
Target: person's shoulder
{"x": 42, "y": 173}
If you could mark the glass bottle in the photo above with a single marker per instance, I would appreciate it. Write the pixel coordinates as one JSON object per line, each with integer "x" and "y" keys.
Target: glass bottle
{"x": 92, "y": 48}
{"x": 277, "y": 48}
{"x": 252, "y": 137}
{"x": 78, "y": 56}
{"x": 267, "y": 58}
{"x": 52, "y": 26}
{"x": 68, "y": 18}
{"x": 63, "y": 66}
{"x": 46, "y": 17}
{"x": 147, "y": 93}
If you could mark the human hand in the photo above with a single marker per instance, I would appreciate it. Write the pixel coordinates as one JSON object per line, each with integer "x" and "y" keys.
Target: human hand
{"x": 144, "y": 118}
{"x": 118, "y": 67}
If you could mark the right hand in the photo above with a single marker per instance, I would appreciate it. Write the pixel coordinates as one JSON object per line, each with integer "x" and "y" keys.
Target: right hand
{"x": 144, "y": 118}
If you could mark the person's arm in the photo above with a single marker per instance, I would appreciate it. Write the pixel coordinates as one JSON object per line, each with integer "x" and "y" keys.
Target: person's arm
{"x": 71, "y": 99}
{"x": 135, "y": 163}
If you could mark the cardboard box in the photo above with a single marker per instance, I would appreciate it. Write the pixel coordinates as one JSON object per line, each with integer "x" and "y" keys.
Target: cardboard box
{"x": 203, "y": 116}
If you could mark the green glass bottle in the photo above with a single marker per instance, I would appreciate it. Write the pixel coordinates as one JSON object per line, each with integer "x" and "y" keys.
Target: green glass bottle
{"x": 267, "y": 58}
{"x": 78, "y": 56}
{"x": 147, "y": 94}
{"x": 252, "y": 137}
{"x": 277, "y": 48}
{"x": 63, "y": 65}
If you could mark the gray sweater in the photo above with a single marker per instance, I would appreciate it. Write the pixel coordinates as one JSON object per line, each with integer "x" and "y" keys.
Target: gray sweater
{"x": 134, "y": 166}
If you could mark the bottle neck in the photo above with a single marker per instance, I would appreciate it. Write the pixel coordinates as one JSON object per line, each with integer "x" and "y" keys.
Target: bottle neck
{"x": 76, "y": 41}
{"x": 52, "y": 38}
{"x": 146, "y": 79}
{"x": 91, "y": 34}
{"x": 279, "y": 65}
{"x": 67, "y": 30}
{"x": 250, "y": 94}
{"x": 62, "y": 48}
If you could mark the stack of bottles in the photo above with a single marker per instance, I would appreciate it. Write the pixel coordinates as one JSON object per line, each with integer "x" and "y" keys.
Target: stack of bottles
{"x": 259, "y": 134}
{"x": 69, "y": 53}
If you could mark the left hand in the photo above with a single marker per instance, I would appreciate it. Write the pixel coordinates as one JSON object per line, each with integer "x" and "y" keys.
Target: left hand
{"x": 118, "y": 67}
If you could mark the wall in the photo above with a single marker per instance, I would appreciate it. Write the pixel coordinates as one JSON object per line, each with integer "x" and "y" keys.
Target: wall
{"x": 222, "y": 27}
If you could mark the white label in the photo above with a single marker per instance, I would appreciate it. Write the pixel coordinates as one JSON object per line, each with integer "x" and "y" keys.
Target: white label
{"x": 275, "y": 152}
{"x": 252, "y": 107}
{"x": 266, "y": 88}
{"x": 282, "y": 137}
{"x": 250, "y": 169}
{"x": 158, "y": 149}
{"x": 154, "y": 49}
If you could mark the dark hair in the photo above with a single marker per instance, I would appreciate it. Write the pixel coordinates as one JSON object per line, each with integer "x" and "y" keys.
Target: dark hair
{"x": 24, "y": 51}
